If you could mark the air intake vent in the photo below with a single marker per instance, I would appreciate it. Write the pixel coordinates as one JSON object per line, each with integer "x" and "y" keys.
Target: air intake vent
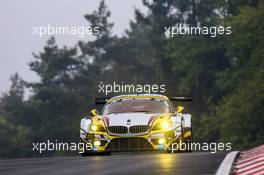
{"x": 129, "y": 144}
{"x": 138, "y": 129}
{"x": 118, "y": 129}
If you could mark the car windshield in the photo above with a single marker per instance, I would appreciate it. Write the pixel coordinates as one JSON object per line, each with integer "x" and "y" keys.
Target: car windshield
{"x": 137, "y": 105}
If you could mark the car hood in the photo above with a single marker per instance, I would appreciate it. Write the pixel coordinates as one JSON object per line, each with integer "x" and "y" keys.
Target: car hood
{"x": 129, "y": 119}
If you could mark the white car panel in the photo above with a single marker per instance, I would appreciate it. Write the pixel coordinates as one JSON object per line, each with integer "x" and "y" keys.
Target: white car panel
{"x": 136, "y": 118}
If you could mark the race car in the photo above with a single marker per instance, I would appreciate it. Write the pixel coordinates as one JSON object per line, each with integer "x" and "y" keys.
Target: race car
{"x": 136, "y": 122}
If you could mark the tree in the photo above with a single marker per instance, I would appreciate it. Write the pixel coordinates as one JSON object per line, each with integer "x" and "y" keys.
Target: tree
{"x": 13, "y": 119}
{"x": 238, "y": 117}
{"x": 57, "y": 100}
{"x": 12, "y": 101}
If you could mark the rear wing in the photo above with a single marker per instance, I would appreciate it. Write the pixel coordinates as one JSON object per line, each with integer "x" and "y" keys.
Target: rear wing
{"x": 101, "y": 100}
{"x": 180, "y": 98}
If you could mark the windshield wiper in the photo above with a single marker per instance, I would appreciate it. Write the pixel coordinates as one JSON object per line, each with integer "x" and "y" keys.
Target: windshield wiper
{"x": 132, "y": 112}
{"x": 141, "y": 111}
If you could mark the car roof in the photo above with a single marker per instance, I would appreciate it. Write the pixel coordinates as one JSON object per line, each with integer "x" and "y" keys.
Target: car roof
{"x": 150, "y": 96}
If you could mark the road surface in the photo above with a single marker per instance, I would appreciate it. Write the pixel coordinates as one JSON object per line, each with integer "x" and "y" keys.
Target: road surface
{"x": 122, "y": 163}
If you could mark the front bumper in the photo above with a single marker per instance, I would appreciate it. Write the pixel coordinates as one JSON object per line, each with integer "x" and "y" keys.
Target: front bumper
{"x": 151, "y": 141}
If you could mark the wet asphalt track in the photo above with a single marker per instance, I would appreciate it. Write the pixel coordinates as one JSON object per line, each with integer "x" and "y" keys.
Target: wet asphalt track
{"x": 121, "y": 163}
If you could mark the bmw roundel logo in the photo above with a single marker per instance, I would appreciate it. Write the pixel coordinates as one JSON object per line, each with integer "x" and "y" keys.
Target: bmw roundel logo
{"x": 128, "y": 121}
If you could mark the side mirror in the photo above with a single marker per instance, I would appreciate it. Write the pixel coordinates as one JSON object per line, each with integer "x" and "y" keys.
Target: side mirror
{"x": 180, "y": 109}
{"x": 94, "y": 112}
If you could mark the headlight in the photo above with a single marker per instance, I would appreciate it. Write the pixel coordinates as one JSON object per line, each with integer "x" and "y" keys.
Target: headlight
{"x": 94, "y": 128}
{"x": 161, "y": 141}
{"x": 97, "y": 128}
{"x": 165, "y": 125}
{"x": 97, "y": 143}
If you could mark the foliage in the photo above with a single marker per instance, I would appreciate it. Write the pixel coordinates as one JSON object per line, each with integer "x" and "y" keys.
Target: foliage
{"x": 224, "y": 74}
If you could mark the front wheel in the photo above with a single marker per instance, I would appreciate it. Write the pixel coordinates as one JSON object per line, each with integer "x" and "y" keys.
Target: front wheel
{"x": 182, "y": 144}
{"x": 175, "y": 146}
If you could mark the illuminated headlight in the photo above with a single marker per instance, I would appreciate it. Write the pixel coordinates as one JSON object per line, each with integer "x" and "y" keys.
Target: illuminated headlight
{"x": 97, "y": 128}
{"x": 94, "y": 128}
{"x": 97, "y": 143}
{"x": 161, "y": 141}
{"x": 165, "y": 125}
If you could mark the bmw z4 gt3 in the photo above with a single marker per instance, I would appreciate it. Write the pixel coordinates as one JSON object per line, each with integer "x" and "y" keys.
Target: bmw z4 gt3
{"x": 136, "y": 123}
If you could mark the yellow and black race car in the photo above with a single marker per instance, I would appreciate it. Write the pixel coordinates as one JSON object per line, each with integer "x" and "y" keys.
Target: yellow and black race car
{"x": 136, "y": 122}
